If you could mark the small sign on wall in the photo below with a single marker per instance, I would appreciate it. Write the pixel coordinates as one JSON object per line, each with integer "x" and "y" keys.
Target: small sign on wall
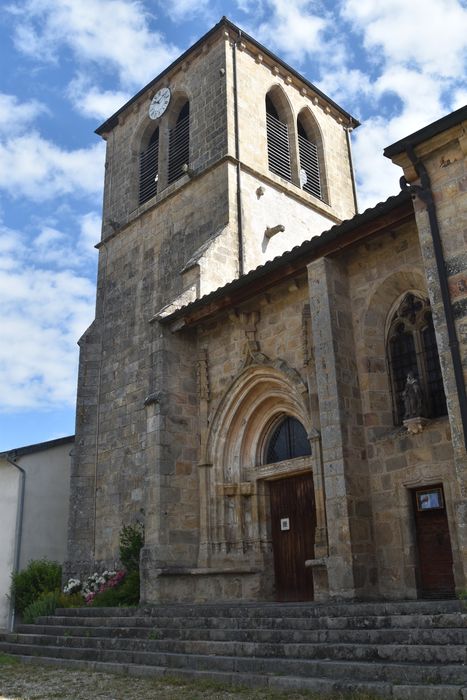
{"x": 285, "y": 524}
{"x": 430, "y": 499}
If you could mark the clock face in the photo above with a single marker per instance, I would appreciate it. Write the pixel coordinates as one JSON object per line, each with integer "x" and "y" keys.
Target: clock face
{"x": 159, "y": 103}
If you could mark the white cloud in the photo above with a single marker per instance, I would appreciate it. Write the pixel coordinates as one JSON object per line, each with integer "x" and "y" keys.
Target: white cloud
{"x": 345, "y": 84}
{"x": 90, "y": 233}
{"x": 112, "y": 34}
{"x": 31, "y": 166}
{"x": 293, "y": 28}
{"x": 42, "y": 315}
{"x": 179, "y": 10}
{"x": 417, "y": 53}
{"x": 15, "y": 116}
{"x": 89, "y": 101}
{"x": 424, "y": 34}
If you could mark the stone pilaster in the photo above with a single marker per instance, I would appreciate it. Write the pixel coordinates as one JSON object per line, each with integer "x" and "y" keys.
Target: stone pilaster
{"x": 443, "y": 158}
{"x": 351, "y": 570}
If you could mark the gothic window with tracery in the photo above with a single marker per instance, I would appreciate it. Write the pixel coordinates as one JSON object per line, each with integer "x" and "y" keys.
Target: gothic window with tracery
{"x": 412, "y": 348}
{"x": 288, "y": 440}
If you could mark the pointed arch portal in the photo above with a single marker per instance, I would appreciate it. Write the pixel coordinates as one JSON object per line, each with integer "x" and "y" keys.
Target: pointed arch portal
{"x": 246, "y": 496}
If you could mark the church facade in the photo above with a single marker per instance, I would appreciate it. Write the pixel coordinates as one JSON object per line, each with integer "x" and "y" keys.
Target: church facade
{"x": 274, "y": 383}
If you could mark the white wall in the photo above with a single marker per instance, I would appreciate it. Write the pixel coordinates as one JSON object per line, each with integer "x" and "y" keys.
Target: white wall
{"x": 45, "y": 514}
{"x": 45, "y": 520}
{"x": 9, "y": 496}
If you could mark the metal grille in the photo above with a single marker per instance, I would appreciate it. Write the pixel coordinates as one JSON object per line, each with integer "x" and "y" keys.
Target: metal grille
{"x": 434, "y": 379}
{"x": 403, "y": 360}
{"x": 179, "y": 148}
{"x": 278, "y": 147}
{"x": 310, "y": 178}
{"x": 148, "y": 169}
{"x": 288, "y": 440}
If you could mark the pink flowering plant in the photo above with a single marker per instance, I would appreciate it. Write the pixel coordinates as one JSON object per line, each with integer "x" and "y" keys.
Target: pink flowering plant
{"x": 119, "y": 587}
{"x": 94, "y": 584}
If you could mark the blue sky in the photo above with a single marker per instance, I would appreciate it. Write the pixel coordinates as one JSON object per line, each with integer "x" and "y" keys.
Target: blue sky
{"x": 66, "y": 65}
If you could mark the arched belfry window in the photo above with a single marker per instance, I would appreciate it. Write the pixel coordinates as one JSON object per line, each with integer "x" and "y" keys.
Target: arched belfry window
{"x": 310, "y": 174}
{"x": 179, "y": 144}
{"x": 288, "y": 440}
{"x": 149, "y": 168}
{"x": 278, "y": 141}
{"x": 412, "y": 349}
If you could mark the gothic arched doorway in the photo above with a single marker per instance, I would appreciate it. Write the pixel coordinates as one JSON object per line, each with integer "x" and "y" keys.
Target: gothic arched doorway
{"x": 259, "y": 444}
{"x": 292, "y": 513}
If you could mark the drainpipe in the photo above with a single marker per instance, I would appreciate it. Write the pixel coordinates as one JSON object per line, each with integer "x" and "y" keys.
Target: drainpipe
{"x": 425, "y": 193}
{"x": 237, "y": 157}
{"x": 347, "y": 130}
{"x": 18, "y": 535}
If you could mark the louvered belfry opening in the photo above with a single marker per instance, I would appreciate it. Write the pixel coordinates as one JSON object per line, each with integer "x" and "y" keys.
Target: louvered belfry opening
{"x": 310, "y": 176}
{"x": 149, "y": 169}
{"x": 179, "y": 144}
{"x": 278, "y": 142}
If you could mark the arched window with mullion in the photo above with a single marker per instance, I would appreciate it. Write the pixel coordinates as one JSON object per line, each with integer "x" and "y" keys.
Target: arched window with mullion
{"x": 149, "y": 168}
{"x": 412, "y": 349}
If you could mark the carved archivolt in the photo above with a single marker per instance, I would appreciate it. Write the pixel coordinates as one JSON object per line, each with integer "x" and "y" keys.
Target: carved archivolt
{"x": 258, "y": 397}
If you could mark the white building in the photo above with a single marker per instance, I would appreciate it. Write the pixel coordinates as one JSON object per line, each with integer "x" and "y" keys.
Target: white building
{"x": 34, "y": 504}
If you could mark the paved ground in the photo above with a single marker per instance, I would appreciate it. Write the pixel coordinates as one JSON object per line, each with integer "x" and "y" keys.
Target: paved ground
{"x": 36, "y": 682}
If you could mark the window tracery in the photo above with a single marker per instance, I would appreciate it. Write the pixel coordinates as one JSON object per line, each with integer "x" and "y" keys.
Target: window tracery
{"x": 412, "y": 350}
{"x": 287, "y": 441}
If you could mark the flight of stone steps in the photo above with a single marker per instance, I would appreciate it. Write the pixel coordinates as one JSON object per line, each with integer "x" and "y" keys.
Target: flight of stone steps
{"x": 406, "y": 650}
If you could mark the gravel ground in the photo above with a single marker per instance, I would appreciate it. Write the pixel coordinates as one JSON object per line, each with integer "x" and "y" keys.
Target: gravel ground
{"x": 21, "y": 681}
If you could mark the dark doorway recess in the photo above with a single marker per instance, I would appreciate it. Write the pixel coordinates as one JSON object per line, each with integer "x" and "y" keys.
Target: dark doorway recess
{"x": 293, "y": 524}
{"x": 434, "y": 572}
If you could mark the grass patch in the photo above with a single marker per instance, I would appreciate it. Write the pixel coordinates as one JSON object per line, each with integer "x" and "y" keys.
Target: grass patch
{"x": 8, "y": 660}
{"x": 208, "y": 688}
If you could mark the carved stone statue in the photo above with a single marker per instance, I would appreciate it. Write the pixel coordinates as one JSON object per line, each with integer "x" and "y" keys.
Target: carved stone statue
{"x": 413, "y": 397}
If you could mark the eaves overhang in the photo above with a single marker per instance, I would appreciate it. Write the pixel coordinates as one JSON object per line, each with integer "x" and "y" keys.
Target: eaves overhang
{"x": 37, "y": 447}
{"x": 428, "y": 132}
{"x": 394, "y": 211}
{"x": 110, "y": 123}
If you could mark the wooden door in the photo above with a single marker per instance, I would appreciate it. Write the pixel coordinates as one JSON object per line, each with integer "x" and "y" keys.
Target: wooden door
{"x": 435, "y": 577}
{"x": 293, "y": 523}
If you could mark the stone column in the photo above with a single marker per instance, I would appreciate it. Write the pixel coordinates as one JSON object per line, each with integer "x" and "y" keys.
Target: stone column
{"x": 351, "y": 568}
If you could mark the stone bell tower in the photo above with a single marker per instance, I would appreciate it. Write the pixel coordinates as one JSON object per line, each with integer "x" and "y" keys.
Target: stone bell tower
{"x": 225, "y": 160}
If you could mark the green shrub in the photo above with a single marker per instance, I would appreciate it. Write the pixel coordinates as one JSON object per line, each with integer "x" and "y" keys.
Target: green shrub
{"x": 70, "y": 600}
{"x": 44, "y": 605}
{"x": 131, "y": 541}
{"x": 124, "y": 595}
{"x": 40, "y": 576}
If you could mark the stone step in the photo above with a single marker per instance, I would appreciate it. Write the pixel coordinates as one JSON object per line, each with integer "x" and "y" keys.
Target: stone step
{"x": 450, "y": 636}
{"x": 318, "y": 685}
{"x": 359, "y": 671}
{"x": 400, "y": 621}
{"x": 276, "y": 609}
{"x": 436, "y": 654}
{"x": 401, "y": 648}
